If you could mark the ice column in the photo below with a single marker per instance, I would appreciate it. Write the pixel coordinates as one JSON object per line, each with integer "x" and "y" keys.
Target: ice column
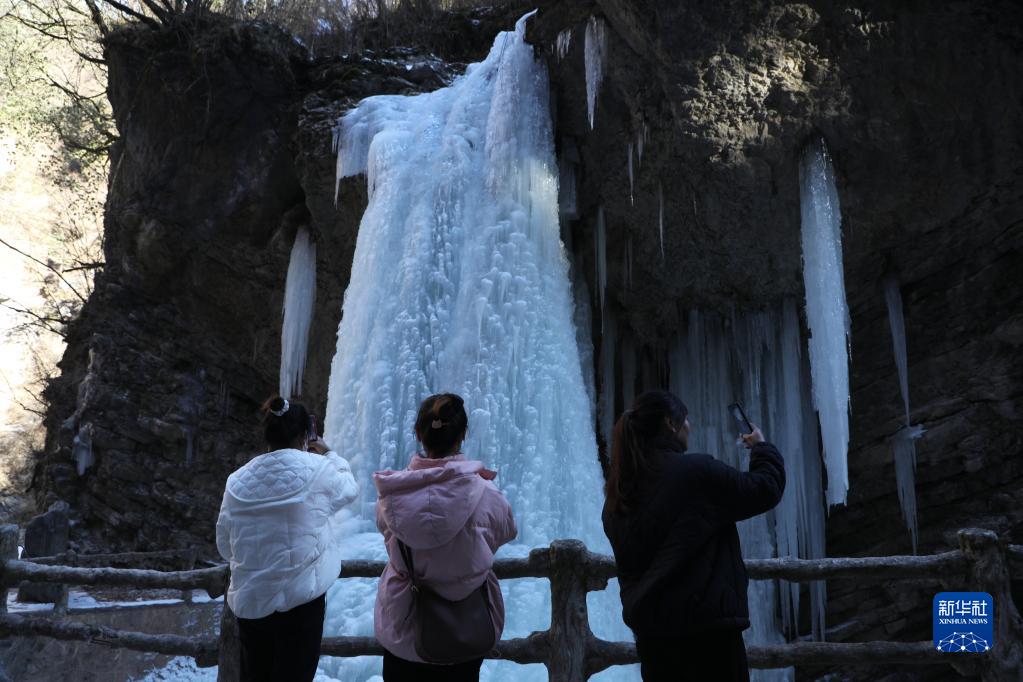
{"x": 904, "y": 441}
{"x": 460, "y": 283}
{"x": 595, "y": 52}
{"x": 600, "y": 255}
{"x": 826, "y": 312}
{"x": 299, "y": 298}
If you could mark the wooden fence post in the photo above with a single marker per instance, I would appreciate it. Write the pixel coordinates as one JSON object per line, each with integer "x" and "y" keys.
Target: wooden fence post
{"x": 570, "y": 632}
{"x": 989, "y": 573}
{"x": 229, "y": 656}
{"x": 8, "y": 551}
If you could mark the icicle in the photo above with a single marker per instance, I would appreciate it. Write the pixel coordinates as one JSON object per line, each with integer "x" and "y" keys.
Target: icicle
{"x": 640, "y": 140}
{"x": 584, "y": 335}
{"x": 660, "y": 216}
{"x": 563, "y": 41}
{"x": 897, "y": 322}
{"x": 904, "y": 446}
{"x": 595, "y": 54}
{"x": 608, "y": 351}
{"x": 904, "y": 441}
{"x": 81, "y": 449}
{"x": 631, "y": 200}
{"x": 827, "y": 312}
{"x": 299, "y": 298}
{"x": 600, "y": 253}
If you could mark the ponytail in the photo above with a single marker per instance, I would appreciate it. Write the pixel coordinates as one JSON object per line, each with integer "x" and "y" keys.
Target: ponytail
{"x": 631, "y": 440}
{"x": 441, "y": 424}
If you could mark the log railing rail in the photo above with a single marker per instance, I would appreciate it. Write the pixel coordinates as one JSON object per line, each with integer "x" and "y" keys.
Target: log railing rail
{"x": 568, "y": 648}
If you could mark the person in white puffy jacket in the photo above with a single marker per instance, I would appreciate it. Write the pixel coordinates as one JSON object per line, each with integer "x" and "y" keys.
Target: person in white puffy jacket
{"x": 278, "y": 529}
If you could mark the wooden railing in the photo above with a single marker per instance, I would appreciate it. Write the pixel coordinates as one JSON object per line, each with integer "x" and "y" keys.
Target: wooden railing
{"x": 569, "y": 649}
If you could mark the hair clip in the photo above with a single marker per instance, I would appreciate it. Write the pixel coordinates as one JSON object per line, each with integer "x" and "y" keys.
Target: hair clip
{"x": 280, "y": 412}
{"x": 436, "y": 424}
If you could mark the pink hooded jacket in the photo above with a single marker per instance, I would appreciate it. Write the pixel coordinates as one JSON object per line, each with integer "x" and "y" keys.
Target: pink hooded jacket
{"x": 454, "y": 521}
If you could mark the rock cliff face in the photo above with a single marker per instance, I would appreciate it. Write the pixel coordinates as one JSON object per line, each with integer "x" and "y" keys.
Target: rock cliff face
{"x": 921, "y": 107}
{"x": 225, "y": 152}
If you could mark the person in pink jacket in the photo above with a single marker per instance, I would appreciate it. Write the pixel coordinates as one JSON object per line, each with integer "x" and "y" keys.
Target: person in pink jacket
{"x": 445, "y": 508}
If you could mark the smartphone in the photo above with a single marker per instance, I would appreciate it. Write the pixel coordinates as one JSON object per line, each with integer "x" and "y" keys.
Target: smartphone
{"x": 740, "y": 418}
{"x": 312, "y": 426}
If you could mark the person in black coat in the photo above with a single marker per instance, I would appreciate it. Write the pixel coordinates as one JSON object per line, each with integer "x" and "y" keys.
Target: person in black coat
{"x": 670, "y": 517}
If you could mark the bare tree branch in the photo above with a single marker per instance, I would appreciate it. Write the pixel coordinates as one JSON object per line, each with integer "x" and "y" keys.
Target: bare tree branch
{"x": 97, "y": 17}
{"x": 45, "y": 265}
{"x": 44, "y": 321}
{"x": 149, "y": 21}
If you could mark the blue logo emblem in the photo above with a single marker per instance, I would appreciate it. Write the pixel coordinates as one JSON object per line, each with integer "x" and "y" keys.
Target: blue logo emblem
{"x": 964, "y": 622}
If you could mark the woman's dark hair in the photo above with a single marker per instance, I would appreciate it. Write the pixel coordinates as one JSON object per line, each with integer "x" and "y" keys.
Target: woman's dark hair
{"x": 631, "y": 442}
{"x": 441, "y": 424}
{"x": 281, "y": 431}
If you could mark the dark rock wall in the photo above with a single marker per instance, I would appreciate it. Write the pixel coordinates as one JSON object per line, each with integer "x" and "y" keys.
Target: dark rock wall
{"x": 225, "y": 153}
{"x": 921, "y": 105}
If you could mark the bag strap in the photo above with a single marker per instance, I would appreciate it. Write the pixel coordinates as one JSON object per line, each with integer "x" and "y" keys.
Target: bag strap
{"x": 406, "y": 555}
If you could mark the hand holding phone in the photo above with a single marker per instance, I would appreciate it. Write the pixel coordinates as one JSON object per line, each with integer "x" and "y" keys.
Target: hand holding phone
{"x": 740, "y": 418}
{"x": 749, "y": 434}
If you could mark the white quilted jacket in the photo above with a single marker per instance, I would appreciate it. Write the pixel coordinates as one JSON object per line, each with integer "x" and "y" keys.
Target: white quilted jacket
{"x": 278, "y": 528}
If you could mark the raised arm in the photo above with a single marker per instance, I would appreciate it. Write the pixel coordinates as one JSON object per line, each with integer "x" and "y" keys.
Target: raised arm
{"x": 743, "y": 494}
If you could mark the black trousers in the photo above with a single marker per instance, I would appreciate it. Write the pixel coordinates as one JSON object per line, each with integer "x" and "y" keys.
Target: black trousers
{"x": 399, "y": 670}
{"x": 284, "y": 646}
{"x": 719, "y": 656}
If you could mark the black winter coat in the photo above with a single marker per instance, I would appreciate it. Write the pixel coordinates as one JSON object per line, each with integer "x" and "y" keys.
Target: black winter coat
{"x": 677, "y": 549}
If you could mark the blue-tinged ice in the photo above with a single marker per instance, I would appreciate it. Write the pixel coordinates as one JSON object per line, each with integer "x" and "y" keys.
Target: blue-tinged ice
{"x": 595, "y": 53}
{"x": 460, "y": 283}
{"x": 299, "y": 299}
{"x": 827, "y": 312}
{"x": 904, "y": 440}
{"x": 755, "y": 358}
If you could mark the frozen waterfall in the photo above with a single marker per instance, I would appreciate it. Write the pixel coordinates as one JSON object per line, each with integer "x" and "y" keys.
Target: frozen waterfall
{"x": 904, "y": 440}
{"x": 299, "y": 298}
{"x": 460, "y": 283}
{"x": 826, "y": 312}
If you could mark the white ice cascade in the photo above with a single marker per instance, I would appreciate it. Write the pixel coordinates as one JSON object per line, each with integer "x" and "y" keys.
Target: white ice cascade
{"x": 904, "y": 440}
{"x": 460, "y": 283}
{"x": 826, "y": 311}
{"x": 755, "y": 358}
{"x": 299, "y": 298}
{"x": 595, "y": 54}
